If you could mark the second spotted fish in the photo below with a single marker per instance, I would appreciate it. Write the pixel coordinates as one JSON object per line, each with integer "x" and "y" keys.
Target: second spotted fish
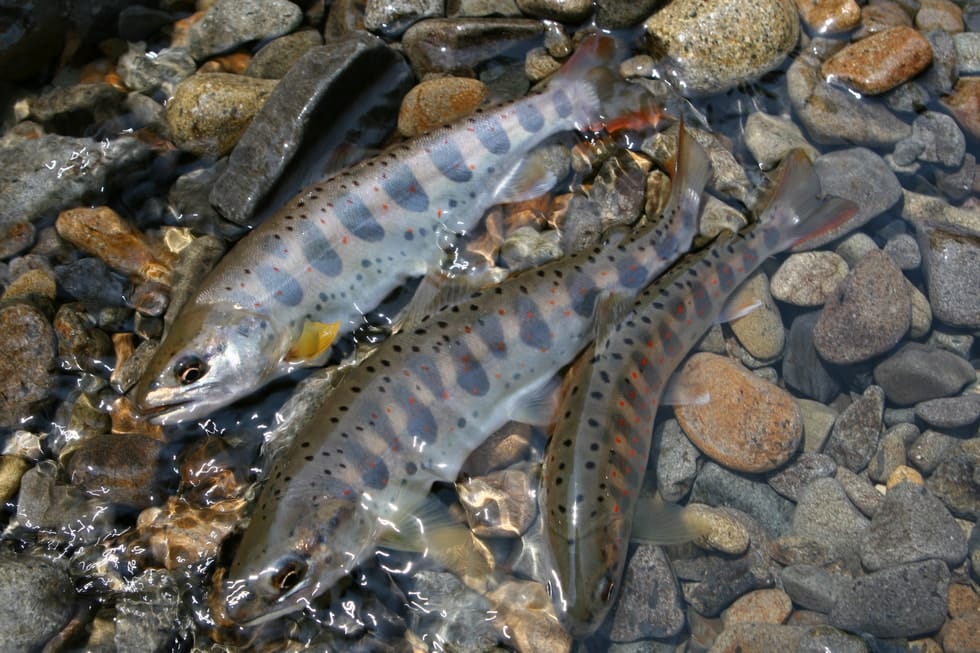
{"x": 287, "y": 290}
{"x": 410, "y": 415}
{"x": 596, "y": 459}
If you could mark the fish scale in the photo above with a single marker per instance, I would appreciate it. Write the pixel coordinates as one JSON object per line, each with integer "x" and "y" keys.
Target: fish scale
{"x": 341, "y": 246}
{"x": 597, "y": 457}
{"x": 411, "y": 414}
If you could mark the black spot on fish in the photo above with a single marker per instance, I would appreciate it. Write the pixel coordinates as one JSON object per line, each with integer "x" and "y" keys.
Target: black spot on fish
{"x": 358, "y": 219}
{"x": 529, "y": 117}
{"x": 447, "y": 158}
{"x": 323, "y": 258}
{"x": 402, "y": 186}
{"x": 492, "y": 135}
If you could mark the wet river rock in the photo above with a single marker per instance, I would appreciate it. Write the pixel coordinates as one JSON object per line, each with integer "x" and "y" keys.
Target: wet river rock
{"x": 27, "y": 353}
{"x": 39, "y": 600}
{"x": 870, "y": 313}
{"x": 713, "y": 45}
{"x": 297, "y": 134}
{"x": 748, "y": 425}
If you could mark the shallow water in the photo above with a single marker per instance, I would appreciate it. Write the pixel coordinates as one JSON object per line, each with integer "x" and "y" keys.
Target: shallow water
{"x": 119, "y": 576}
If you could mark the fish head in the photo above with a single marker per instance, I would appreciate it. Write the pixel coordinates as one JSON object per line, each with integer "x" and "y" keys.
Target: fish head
{"x": 211, "y": 356}
{"x": 592, "y": 583}
{"x": 283, "y": 565}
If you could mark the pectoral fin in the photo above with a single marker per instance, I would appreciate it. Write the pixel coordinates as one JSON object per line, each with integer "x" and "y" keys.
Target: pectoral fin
{"x": 313, "y": 343}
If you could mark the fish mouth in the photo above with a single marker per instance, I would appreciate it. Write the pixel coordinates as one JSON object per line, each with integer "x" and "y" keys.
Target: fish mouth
{"x": 169, "y": 411}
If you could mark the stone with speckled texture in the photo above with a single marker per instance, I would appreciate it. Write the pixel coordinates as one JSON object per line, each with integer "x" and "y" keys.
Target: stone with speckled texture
{"x": 880, "y": 62}
{"x": 749, "y": 425}
{"x": 717, "y": 44}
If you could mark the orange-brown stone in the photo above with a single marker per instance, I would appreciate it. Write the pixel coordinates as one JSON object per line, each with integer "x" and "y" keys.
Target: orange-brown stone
{"x": 829, "y": 16}
{"x": 881, "y": 61}
{"x": 436, "y": 102}
{"x": 964, "y": 103}
{"x": 748, "y": 424}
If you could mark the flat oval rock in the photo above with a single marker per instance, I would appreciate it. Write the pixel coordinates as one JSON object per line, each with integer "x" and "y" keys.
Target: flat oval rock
{"x": 748, "y": 425}
{"x": 870, "y": 313}
{"x": 808, "y": 278}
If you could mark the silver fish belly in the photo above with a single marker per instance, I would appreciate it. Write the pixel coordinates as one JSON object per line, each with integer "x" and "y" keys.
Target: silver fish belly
{"x": 424, "y": 400}
{"x": 596, "y": 459}
{"x": 309, "y": 273}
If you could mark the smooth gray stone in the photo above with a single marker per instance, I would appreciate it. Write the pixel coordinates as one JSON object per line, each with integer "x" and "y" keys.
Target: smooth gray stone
{"x": 902, "y": 601}
{"x": 912, "y": 525}
{"x": 293, "y": 140}
{"x": 918, "y": 372}
{"x": 39, "y": 599}
{"x": 648, "y": 574}
{"x": 717, "y": 486}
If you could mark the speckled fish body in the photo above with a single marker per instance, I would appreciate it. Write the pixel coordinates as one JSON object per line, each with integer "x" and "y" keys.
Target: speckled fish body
{"x": 424, "y": 400}
{"x": 340, "y": 247}
{"x": 597, "y": 456}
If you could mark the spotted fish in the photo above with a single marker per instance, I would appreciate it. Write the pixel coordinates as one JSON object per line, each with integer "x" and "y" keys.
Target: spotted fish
{"x": 287, "y": 290}
{"x": 595, "y": 461}
{"x": 411, "y": 414}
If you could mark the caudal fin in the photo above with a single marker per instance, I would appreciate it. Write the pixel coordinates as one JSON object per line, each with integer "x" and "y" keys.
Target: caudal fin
{"x": 797, "y": 209}
{"x": 604, "y": 102}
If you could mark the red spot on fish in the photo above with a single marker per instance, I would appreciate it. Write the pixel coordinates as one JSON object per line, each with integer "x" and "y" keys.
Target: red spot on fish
{"x": 384, "y": 206}
{"x": 275, "y": 269}
{"x": 438, "y": 213}
{"x": 467, "y": 329}
{"x": 622, "y": 403}
{"x": 650, "y": 344}
{"x": 714, "y": 282}
{"x": 634, "y": 375}
{"x": 411, "y": 401}
{"x": 472, "y": 167}
{"x": 643, "y": 362}
{"x": 388, "y": 409}
{"x": 278, "y": 293}
{"x": 347, "y": 492}
{"x": 241, "y": 285}
{"x": 376, "y": 189}
{"x": 616, "y": 508}
{"x": 475, "y": 391}
{"x": 501, "y": 311}
{"x": 530, "y": 315}
{"x": 551, "y": 302}
{"x": 412, "y": 189}
{"x": 257, "y": 305}
{"x": 406, "y": 373}
{"x": 309, "y": 268}
{"x": 445, "y": 395}
{"x": 619, "y": 440}
{"x": 343, "y": 240}
{"x": 568, "y": 313}
{"x": 501, "y": 346}
{"x": 680, "y": 309}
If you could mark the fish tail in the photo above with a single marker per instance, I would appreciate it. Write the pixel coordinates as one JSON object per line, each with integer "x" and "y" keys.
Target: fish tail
{"x": 796, "y": 209}
{"x": 605, "y": 103}
{"x": 691, "y": 171}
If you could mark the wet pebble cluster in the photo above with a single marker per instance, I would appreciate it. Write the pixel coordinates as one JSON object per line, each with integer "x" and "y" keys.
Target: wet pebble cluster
{"x": 835, "y": 471}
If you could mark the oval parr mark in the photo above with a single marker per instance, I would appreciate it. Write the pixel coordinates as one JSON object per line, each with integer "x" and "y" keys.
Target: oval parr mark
{"x": 562, "y": 103}
{"x": 631, "y": 273}
{"x": 529, "y": 117}
{"x": 375, "y": 474}
{"x": 492, "y": 135}
{"x": 448, "y": 160}
{"x": 470, "y": 375}
{"x": 402, "y": 187}
{"x": 534, "y": 331}
{"x": 281, "y": 285}
{"x": 322, "y": 256}
{"x": 358, "y": 219}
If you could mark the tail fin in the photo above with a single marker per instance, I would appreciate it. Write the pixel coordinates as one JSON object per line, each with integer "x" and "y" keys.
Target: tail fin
{"x": 691, "y": 171}
{"x": 796, "y": 208}
{"x": 604, "y": 102}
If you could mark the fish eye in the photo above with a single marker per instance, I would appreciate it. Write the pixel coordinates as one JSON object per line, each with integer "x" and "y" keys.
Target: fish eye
{"x": 289, "y": 575}
{"x": 190, "y": 369}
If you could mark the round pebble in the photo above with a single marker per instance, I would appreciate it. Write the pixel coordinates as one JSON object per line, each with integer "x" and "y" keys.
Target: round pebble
{"x": 40, "y": 599}
{"x": 768, "y": 606}
{"x": 760, "y": 331}
{"x": 770, "y": 138}
{"x": 918, "y": 372}
{"x": 439, "y": 101}
{"x": 123, "y": 468}
{"x": 27, "y": 353}
{"x": 880, "y": 15}
{"x": 950, "y": 413}
{"x": 808, "y": 278}
{"x": 939, "y": 15}
{"x": 830, "y": 16}
{"x": 748, "y": 425}
{"x": 964, "y": 102}
{"x": 569, "y": 11}
{"x": 880, "y": 62}
{"x": 717, "y": 44}
{"x": 209, "y": 111}
{"x": 904, "y": 251}
{"x": 229, "y": 23}
{"x": 717, "y": 530}
{"x": 903, "y": 474}
{"x": 869, "y": 314}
